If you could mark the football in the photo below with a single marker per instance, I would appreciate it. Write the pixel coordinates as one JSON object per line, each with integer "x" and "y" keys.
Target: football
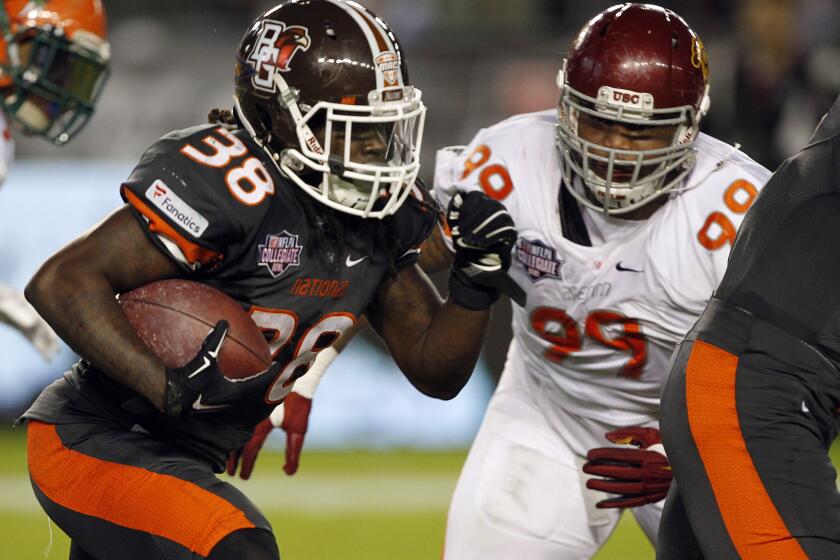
{"x": 173, "y": 317}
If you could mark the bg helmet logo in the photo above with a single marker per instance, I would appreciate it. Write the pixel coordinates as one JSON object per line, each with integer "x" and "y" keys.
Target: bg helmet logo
{"x": 273, "y": 51}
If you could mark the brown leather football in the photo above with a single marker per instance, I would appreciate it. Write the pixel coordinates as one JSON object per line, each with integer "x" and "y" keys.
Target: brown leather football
{"x": 173, "y": 317}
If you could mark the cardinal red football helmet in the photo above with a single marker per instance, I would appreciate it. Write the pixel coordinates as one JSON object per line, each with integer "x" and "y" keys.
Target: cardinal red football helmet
{"x": 54, "y": 59}
{"x": 639, "y": 65}
{"x": 311, "y": 76}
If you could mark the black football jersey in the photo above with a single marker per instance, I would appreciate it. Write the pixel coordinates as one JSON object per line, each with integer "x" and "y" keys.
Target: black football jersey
{"x": 785, "y": 264}
{"x": 213, "y": 200}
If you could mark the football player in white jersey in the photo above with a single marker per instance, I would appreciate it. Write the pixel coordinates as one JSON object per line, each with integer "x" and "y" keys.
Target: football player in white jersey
{"x": 625, "y": 214}
{"x": 54, "y": 59}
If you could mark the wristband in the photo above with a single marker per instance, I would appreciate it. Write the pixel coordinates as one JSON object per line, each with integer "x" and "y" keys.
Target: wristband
{"x": 308, "y": 382}
{"x": 468, "y": 294}
{"x": 306, "y": 385}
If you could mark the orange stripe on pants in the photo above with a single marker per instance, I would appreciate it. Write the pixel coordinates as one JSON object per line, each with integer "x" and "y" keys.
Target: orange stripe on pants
{"x": 751, "y": 518}
{"x": 128, "y": 496}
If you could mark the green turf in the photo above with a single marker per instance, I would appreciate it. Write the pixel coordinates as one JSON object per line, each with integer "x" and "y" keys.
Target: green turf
{"x": 355, "y": 505}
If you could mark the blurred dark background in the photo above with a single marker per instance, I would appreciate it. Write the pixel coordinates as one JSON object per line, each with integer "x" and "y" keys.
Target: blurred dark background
{"x": 775, "y": 66}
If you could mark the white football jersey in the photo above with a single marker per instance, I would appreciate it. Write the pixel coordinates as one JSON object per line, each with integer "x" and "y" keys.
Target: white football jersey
{"x": 601, "y": 322}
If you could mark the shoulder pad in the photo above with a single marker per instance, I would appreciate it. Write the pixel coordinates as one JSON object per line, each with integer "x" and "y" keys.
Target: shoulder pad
{"x": 198, "y": 189}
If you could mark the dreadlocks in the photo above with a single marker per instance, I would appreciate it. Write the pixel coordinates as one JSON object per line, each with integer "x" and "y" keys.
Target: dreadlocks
{"x": 221, "y": 116}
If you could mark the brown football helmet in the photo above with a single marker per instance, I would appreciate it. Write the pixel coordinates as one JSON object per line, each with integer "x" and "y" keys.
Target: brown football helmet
{"x": 639, "y": 65}
{"x": 314, "y": 77}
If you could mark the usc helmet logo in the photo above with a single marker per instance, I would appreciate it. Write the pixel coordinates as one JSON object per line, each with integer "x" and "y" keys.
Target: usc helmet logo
{"x": 699, "y": 59}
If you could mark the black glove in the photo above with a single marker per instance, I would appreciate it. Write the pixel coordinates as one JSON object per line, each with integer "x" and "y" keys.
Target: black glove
{"x": 483, "y": 235}
{"x": 200, "y": 386}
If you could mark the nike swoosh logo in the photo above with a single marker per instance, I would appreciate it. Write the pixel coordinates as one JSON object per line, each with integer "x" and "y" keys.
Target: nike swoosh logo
{"x": 202, "y": 368}
{"x": 620, "y": 268}
{"x": 198, "y": 405}
{"x": 351, "y": 262}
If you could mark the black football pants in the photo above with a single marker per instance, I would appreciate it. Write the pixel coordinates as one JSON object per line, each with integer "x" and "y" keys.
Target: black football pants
{"x": 123, "y": 495}
{"x": 748, "y": 415}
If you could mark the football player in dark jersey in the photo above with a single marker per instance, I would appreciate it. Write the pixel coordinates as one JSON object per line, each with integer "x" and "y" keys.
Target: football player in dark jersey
{"x": 310, "y": 182}
{"x": 750, "y": 408}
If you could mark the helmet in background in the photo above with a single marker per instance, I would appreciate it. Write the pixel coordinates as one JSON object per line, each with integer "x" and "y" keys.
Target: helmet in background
{"x": 54, "y": 60}
{"x": 638, "y": 65}
{"x": 313, "y": 76}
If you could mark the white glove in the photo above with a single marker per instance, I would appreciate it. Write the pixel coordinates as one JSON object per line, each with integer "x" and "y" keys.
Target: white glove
{"x": 16, "y": 312}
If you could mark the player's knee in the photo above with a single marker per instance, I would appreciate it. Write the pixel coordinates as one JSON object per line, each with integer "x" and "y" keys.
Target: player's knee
{"x": 253, "y": 544}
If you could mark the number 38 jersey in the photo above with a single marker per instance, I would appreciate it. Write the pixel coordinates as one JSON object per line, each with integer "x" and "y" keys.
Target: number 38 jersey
{"x": 213, "y": 201}
{"x": 602, "y": 320}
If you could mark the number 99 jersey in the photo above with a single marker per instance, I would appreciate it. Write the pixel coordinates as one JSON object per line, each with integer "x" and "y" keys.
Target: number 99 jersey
{"x": 603, "y": 319}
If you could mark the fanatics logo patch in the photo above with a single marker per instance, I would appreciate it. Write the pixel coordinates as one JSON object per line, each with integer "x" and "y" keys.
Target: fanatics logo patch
{"x": 179, "y": 211}
{"x": 539, "y": 259}
{"x": 280, "y": 252}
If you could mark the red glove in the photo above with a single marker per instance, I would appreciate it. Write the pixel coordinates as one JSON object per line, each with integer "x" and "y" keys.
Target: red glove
{"x": 295, "y": 421}
{"x": 639, "y": 476}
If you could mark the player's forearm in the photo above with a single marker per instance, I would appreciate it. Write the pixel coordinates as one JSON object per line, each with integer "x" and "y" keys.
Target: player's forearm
{"x": 436, "y": 343}
{"x": 448, "y": 350}
{"x": 436, "y": 256}
{"x": 349, "y": 334}
{"x": 86, "y": 315}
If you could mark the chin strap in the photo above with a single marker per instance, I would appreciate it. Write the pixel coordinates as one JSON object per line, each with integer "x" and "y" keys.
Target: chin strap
{"x": 246, "y": 124}
{"x": 723, "y": 161}
{"x": 571, "y": 218}
{"x": 288, "y": 100}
